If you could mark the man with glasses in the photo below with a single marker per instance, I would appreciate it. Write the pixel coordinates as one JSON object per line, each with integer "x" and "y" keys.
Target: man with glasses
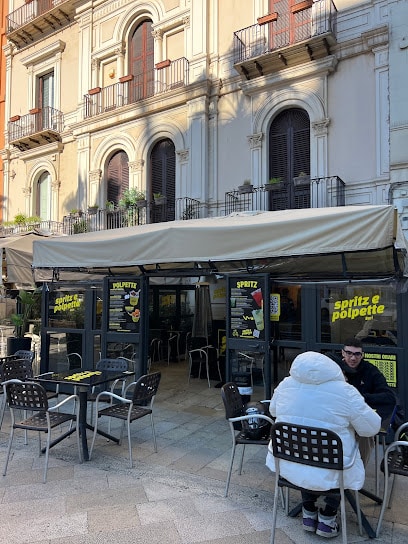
{"x": 371, "y": 383}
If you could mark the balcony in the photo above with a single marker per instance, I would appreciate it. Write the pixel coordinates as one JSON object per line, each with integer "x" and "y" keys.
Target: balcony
{"x": 107, "y": 219}
{"x": 38, "y": 127}
{"x": 38, "y": 18}
{"x": 306, "y": 32}
{"x": 166, "y": 76}
{"x": 327, "y": 192}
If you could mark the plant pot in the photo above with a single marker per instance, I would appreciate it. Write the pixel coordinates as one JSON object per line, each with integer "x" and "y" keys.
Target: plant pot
{"x": 141, "y": 203}
{"x": 274, "y": 186}
{"x": 160, "y": 201}
{"x": 14, "y": 344}
{"x": 242, "y": 189}
{"x": 92, "y": 210}
{"x": 300, "y": 181}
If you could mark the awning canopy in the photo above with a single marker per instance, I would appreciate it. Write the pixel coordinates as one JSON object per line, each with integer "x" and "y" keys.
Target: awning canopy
{"x": 350, "y": 241}
{"x": 17, "y": 258}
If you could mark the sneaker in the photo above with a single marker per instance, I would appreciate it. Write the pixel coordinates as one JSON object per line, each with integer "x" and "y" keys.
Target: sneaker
{"x": 309, "y": 520}
{"x": 327, "y": 526}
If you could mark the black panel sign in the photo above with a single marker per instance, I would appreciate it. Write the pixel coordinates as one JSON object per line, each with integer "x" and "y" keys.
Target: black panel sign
{"x": 124, "y": 306}
{"x": 247, "y": 309}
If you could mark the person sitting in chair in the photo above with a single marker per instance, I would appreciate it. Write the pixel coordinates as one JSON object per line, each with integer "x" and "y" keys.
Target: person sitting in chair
{"x": 316, "y": 394}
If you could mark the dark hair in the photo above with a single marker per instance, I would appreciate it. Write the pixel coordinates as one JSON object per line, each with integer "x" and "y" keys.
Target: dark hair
{"x": 354, "y": 342}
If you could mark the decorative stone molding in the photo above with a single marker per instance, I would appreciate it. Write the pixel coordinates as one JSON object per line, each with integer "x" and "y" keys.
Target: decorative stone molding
{"x": 27, "y": 191}
{"x": 55, "y": 185}
{"x": 186, "y": 21}
{"x": 157, "y": 33}
{"x": 95, "y": 175}
{"x": 321, "y": 127}
{"x": 136, "y": 166}
{"x": 255, "y": 140}
{"x": 183, "y": 155}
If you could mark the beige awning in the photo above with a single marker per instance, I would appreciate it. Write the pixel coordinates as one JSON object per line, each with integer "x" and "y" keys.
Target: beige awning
{"x": 282, "y": 242}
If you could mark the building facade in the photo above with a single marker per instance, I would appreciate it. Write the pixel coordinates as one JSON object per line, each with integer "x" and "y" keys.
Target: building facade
{"x": 203, "y": 103}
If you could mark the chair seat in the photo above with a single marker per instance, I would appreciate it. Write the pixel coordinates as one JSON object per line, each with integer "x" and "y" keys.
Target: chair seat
{"x": 283, "y": 482}
{"x": 242, "y": 438}
{"x": 38, "y": 421}
{"x": 397, "y": 463}
{"x": 121, "y": 411}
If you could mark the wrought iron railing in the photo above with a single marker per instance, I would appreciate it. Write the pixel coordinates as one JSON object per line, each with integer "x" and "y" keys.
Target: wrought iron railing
{"x": 38, "y": 120}
{"x": 131, "y": 89}
{"x": 29, "y": 11}
{"x": 52, "y": 227}
{"x": 106, "y": 219}
{"x": 284, "y": 29}
{"x": 323, "y": 191}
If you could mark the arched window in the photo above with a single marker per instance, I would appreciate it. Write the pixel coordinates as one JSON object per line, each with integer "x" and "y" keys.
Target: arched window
{"x": 43, "y": 197}
{"x": 289, "y": 156}
{"x": 141, "y": 61}
{"x": 163, "y": 179}
{"x": 117, "y": 174}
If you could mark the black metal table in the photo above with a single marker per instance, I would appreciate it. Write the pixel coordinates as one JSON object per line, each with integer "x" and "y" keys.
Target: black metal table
{"x": 82, "y": 381}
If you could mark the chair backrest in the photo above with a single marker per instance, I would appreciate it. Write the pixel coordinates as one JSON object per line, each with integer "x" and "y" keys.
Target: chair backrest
{"x": 27, "y": 396}
{"x": 310, "y": 446}
{"x": 17, "y": 369}
{"x": 113, "y": 365}
{"x": 25, "y": 354}
{"x": 146, "y": 388}
{"x": 233, "y": 404}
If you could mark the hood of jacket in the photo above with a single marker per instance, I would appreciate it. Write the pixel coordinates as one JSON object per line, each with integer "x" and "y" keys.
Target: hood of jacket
{"x": 315, "y": 368}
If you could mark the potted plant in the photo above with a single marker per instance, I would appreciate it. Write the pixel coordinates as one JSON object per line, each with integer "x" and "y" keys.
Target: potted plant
{"x": 301, "y": 179}
{"x": 26, "y": 300}
{"x": 246, "y": 187}
{"x": 93, "y": 209}
{"x": 159, "y": 199}
{"x": 109, "y": 206}
{"x": 75, "y": 212}
{"x": 132, "y": 197}
{"x": 274, "y": 184}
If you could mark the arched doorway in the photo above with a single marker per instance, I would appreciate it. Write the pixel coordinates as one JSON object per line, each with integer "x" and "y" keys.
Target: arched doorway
{"x": 289, "y": 157}
{"x": 43, "y": 197}
{"x": 163, "y": 180}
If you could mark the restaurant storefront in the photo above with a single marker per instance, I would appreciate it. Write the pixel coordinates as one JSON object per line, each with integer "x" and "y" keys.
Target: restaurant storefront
{"x": 318, "y": 282}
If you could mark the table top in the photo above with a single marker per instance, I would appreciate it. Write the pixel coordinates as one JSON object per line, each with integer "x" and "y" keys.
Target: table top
{"x": 88, "y": 378}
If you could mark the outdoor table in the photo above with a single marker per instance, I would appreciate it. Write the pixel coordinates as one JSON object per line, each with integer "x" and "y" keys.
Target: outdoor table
{"x": 82, "y": 381}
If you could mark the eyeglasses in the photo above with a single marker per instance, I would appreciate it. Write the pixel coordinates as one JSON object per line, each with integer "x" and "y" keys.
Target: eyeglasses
{"x": 353, "y": 353}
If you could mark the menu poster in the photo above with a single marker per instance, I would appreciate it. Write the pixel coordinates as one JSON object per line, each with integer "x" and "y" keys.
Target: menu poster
{"x": 124, "y": 307}
{"x": 247, "y": 309}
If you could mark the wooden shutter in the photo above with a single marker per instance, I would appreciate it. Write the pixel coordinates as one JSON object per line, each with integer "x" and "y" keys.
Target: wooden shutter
{"x": 163, "y": 172}
{"x": 141, "y": 60}
{"x": 117, "y": 176}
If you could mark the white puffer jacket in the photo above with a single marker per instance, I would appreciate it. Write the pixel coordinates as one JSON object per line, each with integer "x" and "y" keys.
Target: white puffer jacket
{"x": 316, "y": 394}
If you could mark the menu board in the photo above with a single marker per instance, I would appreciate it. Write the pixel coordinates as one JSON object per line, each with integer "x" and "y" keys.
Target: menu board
{"x": 124, "y": 306}
{"x": 247, "y": 309}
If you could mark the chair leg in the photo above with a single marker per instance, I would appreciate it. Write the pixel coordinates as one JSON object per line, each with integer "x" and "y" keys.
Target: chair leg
{"x": 386, "y": 500}
{"x": 274, "y": 509}
{"x": 8, "y": 449}
{"x": 242, "y": 459}
{"x": 343, "y": 515}
{"x": 130, "y": 445}
{"x": 230, "y": 469}
{"x": 153, "y": 432}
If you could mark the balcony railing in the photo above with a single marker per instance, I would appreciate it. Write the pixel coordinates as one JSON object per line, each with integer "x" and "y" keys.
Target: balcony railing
{"x": 287, "y": 196}
{"x": 104, "y": 219}
{"x": 38, "y": 17}
{"x": 39, "y": 127}
{"x": 51, "y": 227}
{"x": 303, "y": 21}
{"x": 167, "y": 76}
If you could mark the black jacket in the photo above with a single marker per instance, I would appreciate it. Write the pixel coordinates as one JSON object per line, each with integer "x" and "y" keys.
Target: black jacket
{"x": 373, "y": 386}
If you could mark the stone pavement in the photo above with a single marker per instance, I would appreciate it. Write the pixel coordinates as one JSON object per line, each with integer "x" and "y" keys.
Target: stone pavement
{"x": 175, "y": 496}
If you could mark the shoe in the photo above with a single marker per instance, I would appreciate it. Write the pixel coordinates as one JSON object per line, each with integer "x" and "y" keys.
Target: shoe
{"x": 309, "y": 520}
{"x": 327, "y": 526}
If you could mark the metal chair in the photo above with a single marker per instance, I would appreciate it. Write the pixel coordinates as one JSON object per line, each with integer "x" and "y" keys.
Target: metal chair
{"x": 31, "y": 396}
{"x": 25, "y": 354}
{"x": 74, "y": 360}
{"x": 173, "y": 346}
{"x": 140, "y": 405}
{"x": 235, "y": 415}
{"x": 200, "y": 356}
{"x": 395, "y": 463}
{"x": 313, "y": 447}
